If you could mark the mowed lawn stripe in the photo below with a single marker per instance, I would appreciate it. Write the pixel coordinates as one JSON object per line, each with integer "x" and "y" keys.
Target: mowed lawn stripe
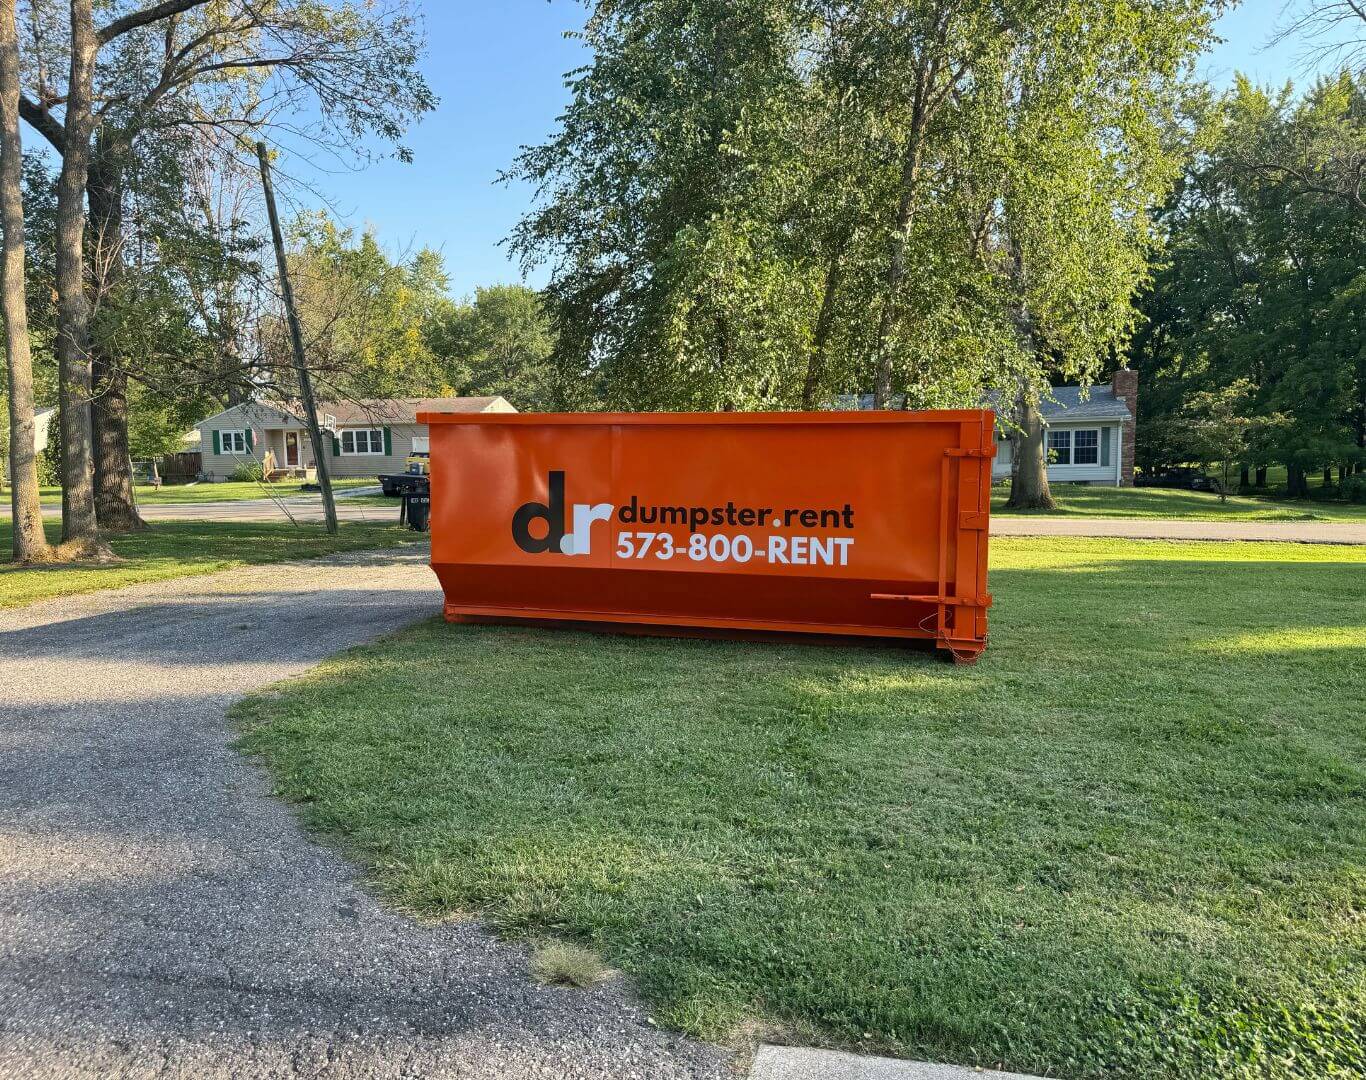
{"x": 1131, "y": 841}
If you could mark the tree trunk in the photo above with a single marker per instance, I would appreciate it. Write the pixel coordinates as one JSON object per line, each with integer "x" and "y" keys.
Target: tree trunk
{"x": 905, "y": 216}
{"x": 815, "y": 365}
{"x": 29, "y": 540}
{"x": 1296, "y": 483}
{"x": 1029, "y": 486}
{"x": 115, "y": 507}
{"x": 80, "y": 530}
{"x": 1261, "y": 476}
{"x": 1244, "y": 477}
{"x": 1328, "y": 476}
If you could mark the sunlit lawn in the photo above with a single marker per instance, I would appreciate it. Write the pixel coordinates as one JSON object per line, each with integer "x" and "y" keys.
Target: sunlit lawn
{"x": 184, "y": 548}
{"x": 1130, "y": 842}
{"x": 1075, "y": 500}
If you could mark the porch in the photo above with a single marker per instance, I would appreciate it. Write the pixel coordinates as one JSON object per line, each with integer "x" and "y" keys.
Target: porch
{"x": 286, "y": 455}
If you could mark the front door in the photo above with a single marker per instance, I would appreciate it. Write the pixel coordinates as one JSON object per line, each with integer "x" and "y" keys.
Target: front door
{"x": 291, "y": 449}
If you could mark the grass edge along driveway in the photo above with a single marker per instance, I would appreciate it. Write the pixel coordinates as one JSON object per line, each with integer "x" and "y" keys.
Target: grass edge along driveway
{"x": 173, "y": 549}
{"x": 1130, "y": 842}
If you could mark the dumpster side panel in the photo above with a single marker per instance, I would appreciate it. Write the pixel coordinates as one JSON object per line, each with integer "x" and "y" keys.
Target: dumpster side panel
{"x": 865, "y": 524}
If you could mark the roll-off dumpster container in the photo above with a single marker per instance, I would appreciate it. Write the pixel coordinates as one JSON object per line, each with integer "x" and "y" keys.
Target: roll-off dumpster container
{"x": 853, "y": 523}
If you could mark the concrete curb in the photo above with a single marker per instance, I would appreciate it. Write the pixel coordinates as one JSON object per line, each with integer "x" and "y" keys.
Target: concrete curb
{"x": 800, "y": 1063}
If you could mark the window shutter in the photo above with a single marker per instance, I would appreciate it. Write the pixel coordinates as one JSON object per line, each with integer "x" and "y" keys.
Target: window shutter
{"x": 336, "y": 446}
{"x": 217, "y": 442}
{"x": 1105, "y": 446}
{"x": 251, "y": 440}
{"x": 388, "y": 442}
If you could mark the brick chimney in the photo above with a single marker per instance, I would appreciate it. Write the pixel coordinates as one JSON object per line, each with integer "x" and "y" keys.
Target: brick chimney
{"x": 1125, "y": 386}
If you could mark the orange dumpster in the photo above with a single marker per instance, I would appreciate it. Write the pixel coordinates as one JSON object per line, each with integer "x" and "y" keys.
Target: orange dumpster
{"x": 849, "y": 523}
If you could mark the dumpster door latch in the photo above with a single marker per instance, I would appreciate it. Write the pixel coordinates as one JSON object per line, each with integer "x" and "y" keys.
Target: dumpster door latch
{"x": 972, "y": 519}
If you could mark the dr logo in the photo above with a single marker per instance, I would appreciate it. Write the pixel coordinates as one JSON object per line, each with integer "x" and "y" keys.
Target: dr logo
{"x": 577, "y": 542}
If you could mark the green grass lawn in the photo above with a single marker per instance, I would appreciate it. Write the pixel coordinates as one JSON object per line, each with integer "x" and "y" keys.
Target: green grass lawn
{"x": 1130, "y": 842}
{"x": 184, "y": 548}
{"x": 228, "y": 491}
{"x": 1077, "y": 501}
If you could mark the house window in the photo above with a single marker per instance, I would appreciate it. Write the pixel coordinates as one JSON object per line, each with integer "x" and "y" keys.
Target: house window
{"x": 1059, "y": 448}
{"x": 357, "y": 441}
{"x": 421, "y": 444}
{"x": 234, "y": 442}
{"x": 1086, "y": 447}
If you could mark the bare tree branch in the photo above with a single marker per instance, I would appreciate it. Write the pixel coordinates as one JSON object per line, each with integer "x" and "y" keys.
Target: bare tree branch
{"x": 135, "y": 19}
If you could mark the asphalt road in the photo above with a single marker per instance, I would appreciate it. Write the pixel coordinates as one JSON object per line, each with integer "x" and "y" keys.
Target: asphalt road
{"x": 1298, "y": 532}
{"x": 302, "y": 508}
{"x": 161, "y": 915}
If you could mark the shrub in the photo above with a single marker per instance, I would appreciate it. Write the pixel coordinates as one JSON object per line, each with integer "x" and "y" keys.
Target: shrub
{"x": 1354, "y": 488}
{"x": 50, "y": 465}
{"x": 247, "y": 472}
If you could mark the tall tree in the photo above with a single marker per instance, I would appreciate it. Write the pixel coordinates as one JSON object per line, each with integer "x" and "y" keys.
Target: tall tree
{"x": 80, "y": 532}
{"x": 365, "y": 315}
{"x": 660, "y": 207}
{"x": 502, "y": 344}
{"x": 763, "y": 205}
{"x": 237, "y": 66}
{"x": 1084, "y": 131}
{"x": 29, "y": 540}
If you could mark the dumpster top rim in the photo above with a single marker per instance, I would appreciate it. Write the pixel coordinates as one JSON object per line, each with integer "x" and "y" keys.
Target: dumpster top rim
{"x": 936, "y": 416}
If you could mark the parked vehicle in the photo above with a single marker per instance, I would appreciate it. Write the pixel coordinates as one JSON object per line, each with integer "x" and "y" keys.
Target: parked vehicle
{"x": 1185, "y": 477}
{"x": 413, "y": 478}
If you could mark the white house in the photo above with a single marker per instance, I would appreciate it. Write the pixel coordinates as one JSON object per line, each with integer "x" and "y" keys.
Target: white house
{"x": 1090, "y": 439}
{"x": 42, "y": 427}
{"x": 363, "y": 438}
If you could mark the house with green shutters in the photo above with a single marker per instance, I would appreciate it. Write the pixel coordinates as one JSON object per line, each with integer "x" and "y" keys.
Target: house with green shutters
{"x": 362, "y": 438}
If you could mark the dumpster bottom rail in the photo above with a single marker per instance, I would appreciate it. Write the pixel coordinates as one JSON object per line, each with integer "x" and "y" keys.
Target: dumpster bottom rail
{"x": 836, "y": 609}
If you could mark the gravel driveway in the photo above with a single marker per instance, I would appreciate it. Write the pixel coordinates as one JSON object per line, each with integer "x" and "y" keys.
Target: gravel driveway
{"x": 162, "y": 915}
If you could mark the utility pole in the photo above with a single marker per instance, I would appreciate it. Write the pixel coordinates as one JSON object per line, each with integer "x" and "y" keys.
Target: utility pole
{"x": 296, "y": 340}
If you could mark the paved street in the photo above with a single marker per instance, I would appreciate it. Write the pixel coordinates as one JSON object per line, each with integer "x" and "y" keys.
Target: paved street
{"x": 1301, "y": 532}
{"x": 302, "y": 508}
{"x": 161, "y": 915}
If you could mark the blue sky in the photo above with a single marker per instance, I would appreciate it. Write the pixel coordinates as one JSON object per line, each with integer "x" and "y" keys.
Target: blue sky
{"x": 499, "y": 71}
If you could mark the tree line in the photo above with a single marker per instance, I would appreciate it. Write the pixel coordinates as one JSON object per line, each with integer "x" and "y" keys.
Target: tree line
{"x": 1252, "y": 343}
{"x": 746, "y": 204}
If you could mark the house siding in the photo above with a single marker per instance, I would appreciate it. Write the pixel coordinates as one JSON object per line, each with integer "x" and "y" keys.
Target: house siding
{"x": 250, "y": 416}
{"x": 1068, "y": 474}
{"x": 268, "y": 426}
{"x": 371, "y": 465}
